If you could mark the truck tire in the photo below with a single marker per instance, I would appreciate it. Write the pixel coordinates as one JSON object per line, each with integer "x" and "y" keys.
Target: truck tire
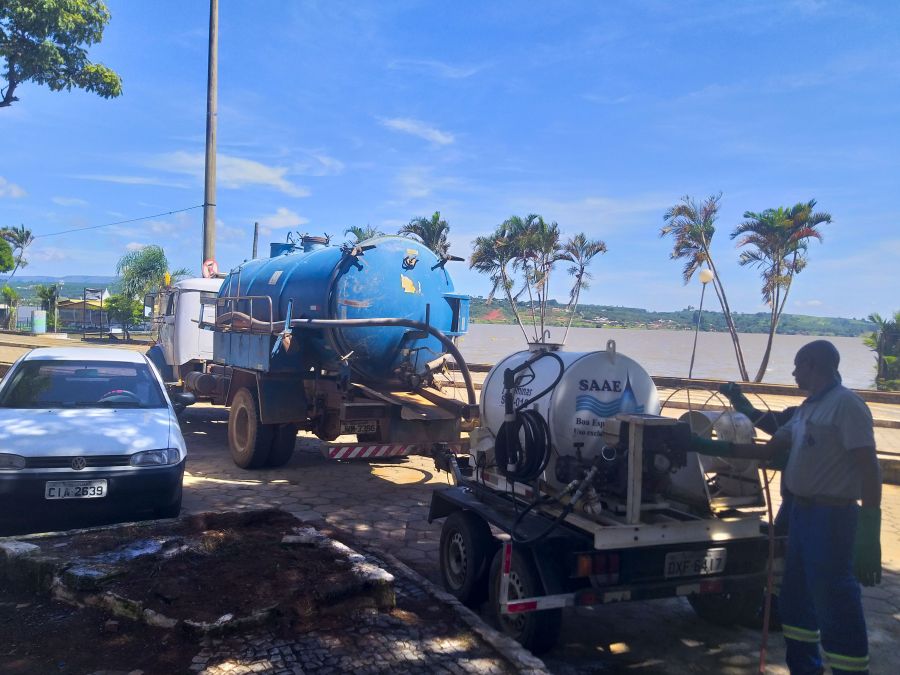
{"x": 282, "y": 445}
{"x": 466, "y": 547}
{"x": 536, "y": 631}
{"x": 250, "y": 441}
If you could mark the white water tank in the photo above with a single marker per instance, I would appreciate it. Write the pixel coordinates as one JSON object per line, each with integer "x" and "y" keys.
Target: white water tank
{"x": 594, "y": 386}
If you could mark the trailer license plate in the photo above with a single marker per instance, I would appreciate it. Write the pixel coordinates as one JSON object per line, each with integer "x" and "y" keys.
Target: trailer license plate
{"x": 695, "y": 563}
{"x": 75, "y": 489}
{"x": 359, "y": 427}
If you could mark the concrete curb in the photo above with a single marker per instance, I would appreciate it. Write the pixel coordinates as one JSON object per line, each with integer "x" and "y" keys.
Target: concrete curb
{"x": 519, "y": 657}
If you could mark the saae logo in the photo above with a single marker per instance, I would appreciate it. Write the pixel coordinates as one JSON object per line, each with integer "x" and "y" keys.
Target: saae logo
{"x": 594, "y": 385}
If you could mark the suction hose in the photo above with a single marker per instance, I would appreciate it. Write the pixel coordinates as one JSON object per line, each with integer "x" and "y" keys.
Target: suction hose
{"x": 405, "y": 323}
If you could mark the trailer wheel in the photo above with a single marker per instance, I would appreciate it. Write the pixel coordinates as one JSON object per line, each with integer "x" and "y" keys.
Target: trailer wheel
{"x": 466, "y": 545}
{"x": 250, "y": 441}
{"x": 536, "y": 631}
{"x": 282, "y": 445}
{"x": 725, "y": 609}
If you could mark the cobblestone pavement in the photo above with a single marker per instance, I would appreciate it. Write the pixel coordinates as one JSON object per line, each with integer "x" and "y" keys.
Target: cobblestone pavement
{"x": 385, "y": 505}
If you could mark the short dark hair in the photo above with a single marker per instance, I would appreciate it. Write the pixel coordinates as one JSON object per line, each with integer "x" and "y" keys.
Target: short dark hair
{"x": 823, "y": 355}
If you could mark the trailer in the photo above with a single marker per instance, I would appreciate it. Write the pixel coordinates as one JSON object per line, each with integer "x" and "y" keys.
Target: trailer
{"x": 588, "y": 501}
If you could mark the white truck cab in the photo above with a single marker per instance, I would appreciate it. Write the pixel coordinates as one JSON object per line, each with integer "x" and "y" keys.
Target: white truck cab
{"x": 177, "y": 310}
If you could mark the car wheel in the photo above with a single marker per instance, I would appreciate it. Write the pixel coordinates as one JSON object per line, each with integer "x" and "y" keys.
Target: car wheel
{"x": 536, "y": 631}
{"x": 282, "y": 445}
{"x": 250, "y": 441}
{"x": 466, "y": 546}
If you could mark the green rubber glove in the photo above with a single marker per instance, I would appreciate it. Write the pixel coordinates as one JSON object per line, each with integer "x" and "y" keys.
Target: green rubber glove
{"x": 707, "y": 446}
{"x": 867, "y": 547}
{"x": 741, "y": 403}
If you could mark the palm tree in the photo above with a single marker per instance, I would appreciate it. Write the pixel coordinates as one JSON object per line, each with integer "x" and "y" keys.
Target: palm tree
{"x": 19, "y": 238}
{"x": 144, "y": 270}
{"x": 493, "y": 255}
{"x": 540, "y": 250}
{"x": 430, "y": 231}
{"x": 579, "y": 251}
{"x": 362, "y": 233}
{"x": 49, "y": 296}
{"x": 779, "y": 239}
{"x": 692, "y": 226}
{"x": 883, "y": 341}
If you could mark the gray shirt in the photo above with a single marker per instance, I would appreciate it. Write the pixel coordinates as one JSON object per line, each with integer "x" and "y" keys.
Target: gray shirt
{"x": 822, "y": 432}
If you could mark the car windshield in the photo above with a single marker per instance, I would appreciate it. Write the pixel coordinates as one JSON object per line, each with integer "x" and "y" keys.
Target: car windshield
{"x": 82, "y": 384}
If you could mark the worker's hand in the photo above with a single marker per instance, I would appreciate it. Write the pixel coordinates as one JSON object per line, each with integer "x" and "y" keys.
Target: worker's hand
{"x": 867, "y": 547}
{"x": 741, "y": 403}
{"x": 707, "y": 446}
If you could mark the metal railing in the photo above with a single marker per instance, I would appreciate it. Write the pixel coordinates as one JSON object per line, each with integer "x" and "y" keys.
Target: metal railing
{"x": 231, "y": 317}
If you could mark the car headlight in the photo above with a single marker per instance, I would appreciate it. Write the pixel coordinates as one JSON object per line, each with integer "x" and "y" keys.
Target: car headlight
{"x": 10, "y": 461}
{"x": 164, "y": 457}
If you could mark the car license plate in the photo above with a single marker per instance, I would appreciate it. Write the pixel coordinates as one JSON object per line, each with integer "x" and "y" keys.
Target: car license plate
{"x": 359, "y": 427}
{"x": 695, "y": 563}
{"x": 75, "y": 489}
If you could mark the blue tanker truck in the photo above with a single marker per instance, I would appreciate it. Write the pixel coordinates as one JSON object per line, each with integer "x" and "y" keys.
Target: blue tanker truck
{"x": 335, "y": 340}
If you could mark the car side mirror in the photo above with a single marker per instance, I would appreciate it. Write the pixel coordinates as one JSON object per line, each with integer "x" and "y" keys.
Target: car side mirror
{"x": 182, "y": 400}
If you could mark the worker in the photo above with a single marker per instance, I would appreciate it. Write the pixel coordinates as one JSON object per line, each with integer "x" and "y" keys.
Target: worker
{"x": 831, "y": 463}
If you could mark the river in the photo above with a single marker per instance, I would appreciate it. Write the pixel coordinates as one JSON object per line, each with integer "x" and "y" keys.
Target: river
{"x": 668, "y": 352}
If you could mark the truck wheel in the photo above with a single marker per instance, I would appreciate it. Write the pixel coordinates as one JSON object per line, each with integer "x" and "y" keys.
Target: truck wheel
{"x": 536, "y": 631}
{"x": 466, "y": 544}
{"x": 282, "y": 445}
{"x": 250, "y": 441}
{"x": 725, "y": 609}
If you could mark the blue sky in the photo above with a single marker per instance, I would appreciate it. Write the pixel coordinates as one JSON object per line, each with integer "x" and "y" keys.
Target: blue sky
{"x": 597, "y": 115}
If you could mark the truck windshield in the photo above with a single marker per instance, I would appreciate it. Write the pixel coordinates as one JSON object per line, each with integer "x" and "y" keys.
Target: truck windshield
{"x": 81, "y": 384}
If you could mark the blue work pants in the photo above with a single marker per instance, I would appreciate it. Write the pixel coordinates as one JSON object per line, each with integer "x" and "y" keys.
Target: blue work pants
{"x": 820, "y": 597}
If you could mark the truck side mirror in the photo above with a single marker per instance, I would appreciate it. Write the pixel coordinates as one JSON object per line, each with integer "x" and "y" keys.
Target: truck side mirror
{"x": 149, "y": 302}
{"x": 182, "y": 400}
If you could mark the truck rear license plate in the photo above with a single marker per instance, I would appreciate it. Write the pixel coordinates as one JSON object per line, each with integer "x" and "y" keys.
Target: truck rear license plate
{"x": 74, "y": 489}
{"x": 695, "y": 563}
{"x": 359, "y": 427}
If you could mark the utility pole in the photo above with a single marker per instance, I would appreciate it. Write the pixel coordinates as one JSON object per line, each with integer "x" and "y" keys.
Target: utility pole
{"x": 212, "y": 85}
{"x": 255, "y": 238}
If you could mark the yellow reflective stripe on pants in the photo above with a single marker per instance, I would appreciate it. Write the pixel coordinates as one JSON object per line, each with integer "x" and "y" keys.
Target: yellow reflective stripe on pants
{"x": 799, "y": 634}
{"x": 854, "y": 663}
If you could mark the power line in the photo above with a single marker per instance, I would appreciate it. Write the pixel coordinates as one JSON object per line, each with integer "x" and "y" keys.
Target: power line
{"x": 118, "y": 222}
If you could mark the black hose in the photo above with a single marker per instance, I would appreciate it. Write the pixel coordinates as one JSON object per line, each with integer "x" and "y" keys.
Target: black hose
{"x": 406, "y": 323}
{"x": 520, "y": 461}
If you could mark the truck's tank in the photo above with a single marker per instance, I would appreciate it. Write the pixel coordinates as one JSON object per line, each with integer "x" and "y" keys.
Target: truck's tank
{"x": 594, "y": 387}
{"x": 394, "y": 277}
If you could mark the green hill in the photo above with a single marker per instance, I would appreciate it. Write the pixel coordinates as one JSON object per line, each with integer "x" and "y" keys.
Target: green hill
{"x": 606, "y": 316}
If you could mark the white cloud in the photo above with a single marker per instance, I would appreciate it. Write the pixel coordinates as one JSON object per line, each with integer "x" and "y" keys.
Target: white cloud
{"x": 69, "y": 201}
{"x": 438, "y": 68}
{"x": 319, "y": 164}
{"x": 282, "y": 219}
{"x": 11, "y": 190}
{"x": 134, "y": 246}
{"x": 130, "y": 180}
{"x": 231, "y": 172}
{"x": 418, "y": 128}
{"x": 48, "y": 254}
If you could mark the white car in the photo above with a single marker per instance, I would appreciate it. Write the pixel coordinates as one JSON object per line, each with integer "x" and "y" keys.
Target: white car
{"x": 87, "y": 435}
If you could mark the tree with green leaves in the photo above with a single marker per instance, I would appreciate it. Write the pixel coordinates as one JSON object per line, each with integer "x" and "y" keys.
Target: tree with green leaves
{"x": 49, "y": 297}
{"x": 144, "y": 270}
{"x": 580, "y": 251}
{"x": 7, "y": 261}
{"x": 45, "y": 41}
{"x": 538, "y": 249}
{"x": 126, "y": 311}
{"x": 493, "y": 255}
{"x": 885, "y": 342}
{"x": 18, "y": 238}
{"x": 11, "y": 298}
{"x": 432, "y": 232}
{"x": 360, "y": 234}
{"x": 777, "y": 241}
{"x": 692, "y": 226}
